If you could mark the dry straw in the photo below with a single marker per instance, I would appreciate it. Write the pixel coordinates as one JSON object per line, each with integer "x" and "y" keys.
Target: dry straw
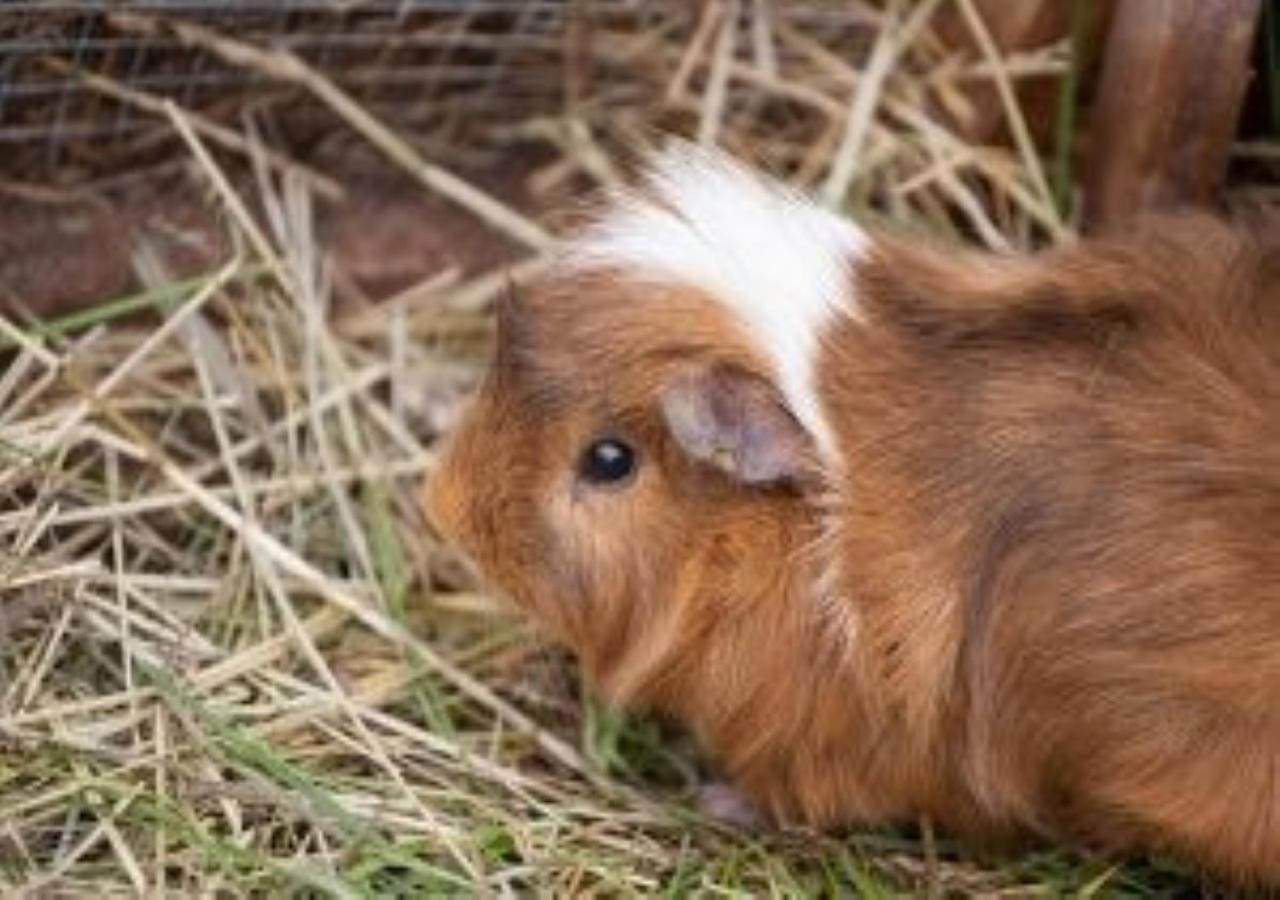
{"x": 233, "y": 659}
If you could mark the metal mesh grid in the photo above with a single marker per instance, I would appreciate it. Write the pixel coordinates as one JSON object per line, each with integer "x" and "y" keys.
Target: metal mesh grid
{"x": 404, "y": 60}
{"x": 454, "y": 76}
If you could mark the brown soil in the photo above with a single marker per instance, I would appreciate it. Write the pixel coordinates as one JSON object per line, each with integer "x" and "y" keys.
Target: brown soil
{"x": 61, "y": 251}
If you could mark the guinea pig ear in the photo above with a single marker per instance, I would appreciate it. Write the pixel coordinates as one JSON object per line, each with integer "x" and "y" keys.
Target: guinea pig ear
{"x": 736, "y": 421}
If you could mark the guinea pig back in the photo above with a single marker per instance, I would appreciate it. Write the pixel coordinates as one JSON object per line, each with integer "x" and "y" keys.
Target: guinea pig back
{"x": 901, "y": 532}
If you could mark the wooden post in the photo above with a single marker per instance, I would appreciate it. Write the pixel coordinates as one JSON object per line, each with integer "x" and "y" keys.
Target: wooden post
{"x": 1173, "y": 80}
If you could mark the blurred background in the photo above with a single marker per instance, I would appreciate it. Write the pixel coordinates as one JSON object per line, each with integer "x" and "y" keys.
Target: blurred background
{"x": 967, "y": 118}
{"x": 247, "y": 253}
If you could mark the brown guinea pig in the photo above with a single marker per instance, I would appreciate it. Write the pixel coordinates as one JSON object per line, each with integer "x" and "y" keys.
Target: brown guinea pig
{"x": 900, "y": 532}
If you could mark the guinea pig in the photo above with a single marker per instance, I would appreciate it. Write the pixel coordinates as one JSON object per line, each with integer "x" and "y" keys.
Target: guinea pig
{"x": 900, "y": 531}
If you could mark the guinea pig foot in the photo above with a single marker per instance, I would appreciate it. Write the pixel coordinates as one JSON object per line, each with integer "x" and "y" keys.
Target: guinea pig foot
{"x": 727, "y": 805}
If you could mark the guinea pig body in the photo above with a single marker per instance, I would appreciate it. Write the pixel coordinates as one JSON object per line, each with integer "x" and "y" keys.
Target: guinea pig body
{"x": 899, "y": 532}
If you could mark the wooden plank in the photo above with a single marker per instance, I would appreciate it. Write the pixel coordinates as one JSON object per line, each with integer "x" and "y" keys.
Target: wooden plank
{"x": 1173, "y": 80}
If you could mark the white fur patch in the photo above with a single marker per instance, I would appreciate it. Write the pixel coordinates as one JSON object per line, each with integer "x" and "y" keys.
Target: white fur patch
{"x": 779, "y": 262}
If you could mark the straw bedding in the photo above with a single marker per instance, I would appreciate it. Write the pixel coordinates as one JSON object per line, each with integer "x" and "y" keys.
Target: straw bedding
{"x": 232, "y": 658}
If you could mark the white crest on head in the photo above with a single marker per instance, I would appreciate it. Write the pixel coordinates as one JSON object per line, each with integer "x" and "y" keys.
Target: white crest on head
{"x": 780, "y": 263}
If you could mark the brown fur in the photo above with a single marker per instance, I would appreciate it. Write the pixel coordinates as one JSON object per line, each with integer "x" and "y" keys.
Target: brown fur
{"x": 1045, "y": 595}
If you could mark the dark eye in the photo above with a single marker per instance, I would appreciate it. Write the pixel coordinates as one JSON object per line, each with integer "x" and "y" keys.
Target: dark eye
{"x": 607, "y": 461}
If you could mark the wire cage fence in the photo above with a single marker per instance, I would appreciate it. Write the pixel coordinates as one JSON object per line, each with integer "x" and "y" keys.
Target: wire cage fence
{"x": 84, "y": 83}
{"x": 872, "y": 104}
{"x": 71, "y": 74}
{"x": 81, "y": 82}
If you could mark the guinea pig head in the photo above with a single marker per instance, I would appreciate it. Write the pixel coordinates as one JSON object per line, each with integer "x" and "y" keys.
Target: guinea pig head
{"x": 626, "y": 474}
{"x": 633, "y": 471}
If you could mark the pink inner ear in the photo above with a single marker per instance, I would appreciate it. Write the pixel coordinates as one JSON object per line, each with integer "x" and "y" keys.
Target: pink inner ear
{"x": 737, "y": 422}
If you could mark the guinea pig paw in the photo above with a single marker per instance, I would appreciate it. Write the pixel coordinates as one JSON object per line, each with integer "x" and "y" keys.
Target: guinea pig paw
{"x": 727, "y": 805}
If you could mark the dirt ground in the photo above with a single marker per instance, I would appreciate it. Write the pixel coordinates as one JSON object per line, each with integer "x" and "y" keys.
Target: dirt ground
{"x": 62, "y": 250}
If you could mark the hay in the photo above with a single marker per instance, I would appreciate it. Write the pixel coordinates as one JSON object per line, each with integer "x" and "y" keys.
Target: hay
{"x": 232, "y": 657}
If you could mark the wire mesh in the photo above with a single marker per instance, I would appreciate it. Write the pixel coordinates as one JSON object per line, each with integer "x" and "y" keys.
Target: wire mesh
{"x": 77, "y": 76}
{"x": 401, "y": 59}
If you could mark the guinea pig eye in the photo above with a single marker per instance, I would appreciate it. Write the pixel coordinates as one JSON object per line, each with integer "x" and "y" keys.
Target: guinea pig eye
{"x": 607, "y": 461}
